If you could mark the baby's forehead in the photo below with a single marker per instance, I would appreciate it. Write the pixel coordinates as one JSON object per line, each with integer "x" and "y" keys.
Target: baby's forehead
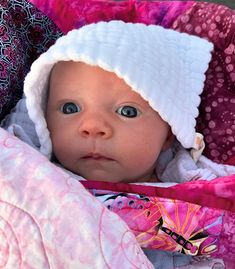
{"x": 61, "y": 65}
{"x": 85, "y": 74}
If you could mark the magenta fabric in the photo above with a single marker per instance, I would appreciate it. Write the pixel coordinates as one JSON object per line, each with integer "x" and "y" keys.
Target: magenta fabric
{"x": 162, "y": 219}
{"x": 227, "y": 241}
{"x": 218, "y": 193}
{"x": 69, "y": 14}
{"x": 195, "y": 218}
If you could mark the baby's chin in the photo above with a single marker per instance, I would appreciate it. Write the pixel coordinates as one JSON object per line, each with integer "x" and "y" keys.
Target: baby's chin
{"x": 99, "y": 175}
{"x": 113, "y": 178}
{"x": 104, "y": 178}
{"x": 113, "y": 175}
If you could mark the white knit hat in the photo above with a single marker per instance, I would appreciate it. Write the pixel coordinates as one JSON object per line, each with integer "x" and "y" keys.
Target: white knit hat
{"x": 165, "y": 67}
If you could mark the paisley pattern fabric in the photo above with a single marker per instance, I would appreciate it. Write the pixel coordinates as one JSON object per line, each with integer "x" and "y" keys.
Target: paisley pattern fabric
{"x": 24, "y": 34}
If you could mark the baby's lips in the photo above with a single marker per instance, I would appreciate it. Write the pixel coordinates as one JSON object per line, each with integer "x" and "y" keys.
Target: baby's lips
{"x": 96, "y": 156}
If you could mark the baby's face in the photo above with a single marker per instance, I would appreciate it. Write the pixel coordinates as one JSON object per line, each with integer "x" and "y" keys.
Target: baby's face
{"x": 100, "y": 128}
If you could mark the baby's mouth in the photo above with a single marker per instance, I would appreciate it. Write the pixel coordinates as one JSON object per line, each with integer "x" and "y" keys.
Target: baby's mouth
{"x": 96, "y": 156}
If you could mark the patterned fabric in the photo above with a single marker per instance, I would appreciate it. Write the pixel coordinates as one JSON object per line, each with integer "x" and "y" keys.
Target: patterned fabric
{"x": 55, "y": 229}
{"x": 217, "y": 110}
{"x": 171, "y": 224}
{"x": 69, "y": 14}
{"x": 228, "y": 234}
{"x": 24, "y": 34}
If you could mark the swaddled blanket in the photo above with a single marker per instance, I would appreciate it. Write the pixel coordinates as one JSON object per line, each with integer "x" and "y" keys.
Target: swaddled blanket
{"x": 39, "y": 201}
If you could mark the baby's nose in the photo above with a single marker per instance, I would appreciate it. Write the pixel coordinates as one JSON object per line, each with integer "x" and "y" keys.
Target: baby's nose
{"x": 95, "y": 128}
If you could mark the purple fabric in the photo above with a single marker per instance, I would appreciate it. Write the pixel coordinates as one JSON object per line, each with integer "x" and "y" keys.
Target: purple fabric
{"x": 24, "y": 34}
{"x": 216, "y": 120}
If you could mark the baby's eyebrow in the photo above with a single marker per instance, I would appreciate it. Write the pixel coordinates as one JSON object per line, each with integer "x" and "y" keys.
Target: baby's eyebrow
{"x": 134, "y": 96}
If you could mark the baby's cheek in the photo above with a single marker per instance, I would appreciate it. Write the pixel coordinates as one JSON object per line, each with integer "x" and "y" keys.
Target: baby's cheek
{"x": 141, "y": 157}
{"x": 61, "y": 149}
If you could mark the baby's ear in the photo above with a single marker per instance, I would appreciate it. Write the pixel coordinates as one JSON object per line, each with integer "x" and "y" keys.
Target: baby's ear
{"x": 169, "y": 141}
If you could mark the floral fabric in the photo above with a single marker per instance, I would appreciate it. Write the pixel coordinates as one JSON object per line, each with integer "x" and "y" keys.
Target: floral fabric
{"x": 174, "y": 225}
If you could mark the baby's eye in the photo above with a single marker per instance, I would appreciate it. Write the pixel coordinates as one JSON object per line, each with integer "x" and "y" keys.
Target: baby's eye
{"x": 70, "y": 108}
{"x": 128, "y": 111}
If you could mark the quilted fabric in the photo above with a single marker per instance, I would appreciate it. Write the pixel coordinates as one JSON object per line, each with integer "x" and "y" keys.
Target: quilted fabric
{"x": 24, "y": 34}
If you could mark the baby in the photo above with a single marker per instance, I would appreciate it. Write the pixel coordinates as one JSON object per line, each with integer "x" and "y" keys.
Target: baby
{"x": 106, "y": 100}
{"x": 100, "y": 128}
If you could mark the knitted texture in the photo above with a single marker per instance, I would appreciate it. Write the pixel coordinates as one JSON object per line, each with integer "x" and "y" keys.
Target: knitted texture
{"x": 169, "y": 75}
